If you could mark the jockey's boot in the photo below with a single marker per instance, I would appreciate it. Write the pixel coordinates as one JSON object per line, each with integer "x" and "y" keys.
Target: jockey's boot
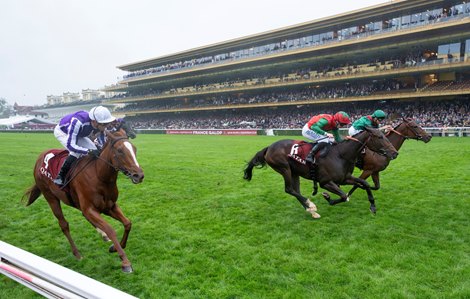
{"x": 311, "y": 156}
{"x": 60, "y": 179}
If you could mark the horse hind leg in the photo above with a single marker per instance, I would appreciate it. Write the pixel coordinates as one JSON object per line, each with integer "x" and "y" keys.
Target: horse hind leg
{"x": 332, "y": 187}
{"x": 54, "y": 203}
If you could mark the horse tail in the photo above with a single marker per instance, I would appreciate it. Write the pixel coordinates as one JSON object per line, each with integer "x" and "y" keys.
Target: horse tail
{"x": 33, "y": 193}
{"x": 257, "y": 161}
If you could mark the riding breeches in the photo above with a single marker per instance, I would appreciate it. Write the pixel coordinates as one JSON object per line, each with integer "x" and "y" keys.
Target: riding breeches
{"x": 314, "y": 136}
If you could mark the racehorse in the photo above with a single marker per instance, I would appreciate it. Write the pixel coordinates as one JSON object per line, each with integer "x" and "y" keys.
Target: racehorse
{"x": 334, "y": 169}
{"x": 91, "y": 189}
{"x": 374, "y": 163}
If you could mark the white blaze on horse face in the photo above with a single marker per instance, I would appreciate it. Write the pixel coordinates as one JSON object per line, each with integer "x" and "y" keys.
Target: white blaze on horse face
{"x": 131, "y": 150}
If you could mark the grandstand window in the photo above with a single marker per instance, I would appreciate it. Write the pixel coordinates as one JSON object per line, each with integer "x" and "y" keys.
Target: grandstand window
{"x": 309, "y": 39}
{"x": 415, "y": 18}
{"x": 316, "y": 39}
{"x": 467, "y": 46}
{"x": 449, "y": 50}
{"x": 457, "y": 9}
{"x": 373, "y": 26}
{"x": 395, "y": 23}
{"x": 297, "y": 42}
{"x": 290, "y": 43}
{"x": 405, "y": 21}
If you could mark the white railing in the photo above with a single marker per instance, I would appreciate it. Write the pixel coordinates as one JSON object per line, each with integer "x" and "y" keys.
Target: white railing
{"x": 50, "y": 279}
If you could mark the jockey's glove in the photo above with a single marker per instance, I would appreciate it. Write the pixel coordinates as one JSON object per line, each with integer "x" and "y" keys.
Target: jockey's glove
{"x": 94, "y": 152}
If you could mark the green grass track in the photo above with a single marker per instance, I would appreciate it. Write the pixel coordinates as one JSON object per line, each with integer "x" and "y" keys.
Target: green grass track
{"x": 201, "y": 231}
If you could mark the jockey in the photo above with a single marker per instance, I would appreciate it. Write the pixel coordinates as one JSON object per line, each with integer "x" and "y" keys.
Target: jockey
{"x": 372, "y": 120}
{"x": 73, "y": 133}
{"x": 323, "y": 129}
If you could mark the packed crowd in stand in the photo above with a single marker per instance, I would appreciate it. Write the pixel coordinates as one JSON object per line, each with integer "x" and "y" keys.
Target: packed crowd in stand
{"x": 454, "y": 113}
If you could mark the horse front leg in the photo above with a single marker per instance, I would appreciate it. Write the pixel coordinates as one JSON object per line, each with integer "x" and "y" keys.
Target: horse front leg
{"x": 334, "y": 188}
{"x": 97, "y": 221}
{"x": 364, "y": 185}
{"x": 376, "y": 180}
{"x": 117, "y": 214}
{"x": 364, "y": 175}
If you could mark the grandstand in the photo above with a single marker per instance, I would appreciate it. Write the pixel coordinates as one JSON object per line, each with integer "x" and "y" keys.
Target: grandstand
{"x": 399, "y": 55}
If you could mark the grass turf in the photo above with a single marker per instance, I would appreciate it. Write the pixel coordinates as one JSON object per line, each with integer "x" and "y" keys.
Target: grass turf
{"x": 201, "y": 231}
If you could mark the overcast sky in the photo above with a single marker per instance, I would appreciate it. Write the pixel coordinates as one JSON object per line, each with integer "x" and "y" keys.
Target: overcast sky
{"x": 48, "y": 47}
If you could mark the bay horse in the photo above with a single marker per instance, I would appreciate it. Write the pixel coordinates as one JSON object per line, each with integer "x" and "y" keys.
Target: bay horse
{"x": 91, "y": 188}
{"x": 373, "y": 163}
{"x": 333, "y": 170}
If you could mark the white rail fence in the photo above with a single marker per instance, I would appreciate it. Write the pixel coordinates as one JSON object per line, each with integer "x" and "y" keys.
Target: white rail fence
{"x": 50, "y": 279}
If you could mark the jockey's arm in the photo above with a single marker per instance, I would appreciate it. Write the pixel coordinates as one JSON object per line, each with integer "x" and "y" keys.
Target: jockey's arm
{"x": 336, "y": 135}
{"x": 386, "y": 128}
{"x": 319, "y": 125}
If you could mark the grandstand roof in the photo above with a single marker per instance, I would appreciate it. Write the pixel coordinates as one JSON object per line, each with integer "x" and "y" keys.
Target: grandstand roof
{"x": 19, "y": 119}
{"x": 376, "y": 12}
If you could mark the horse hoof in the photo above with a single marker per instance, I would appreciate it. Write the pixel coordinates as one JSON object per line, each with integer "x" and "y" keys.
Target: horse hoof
{"x": 127, "y": 269}
{"x": 311, "y": 206}
{"x": 315, "y": 215}
{"x": 106, "y": 239}
{"x": 112, "y": 249}
{"x": 373, "y": 210}
{"x": 326, "y": 195}
{"x": 347, "y": 198}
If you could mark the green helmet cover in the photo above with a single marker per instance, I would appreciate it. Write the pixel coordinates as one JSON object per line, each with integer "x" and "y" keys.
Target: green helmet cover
{"x": 379, "y": 114}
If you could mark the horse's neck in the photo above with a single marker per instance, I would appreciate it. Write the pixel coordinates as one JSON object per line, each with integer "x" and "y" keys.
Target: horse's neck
{"x": 104, "y": 170}
{"x": 350, "y": 149}
{"x": 396, "y": 140}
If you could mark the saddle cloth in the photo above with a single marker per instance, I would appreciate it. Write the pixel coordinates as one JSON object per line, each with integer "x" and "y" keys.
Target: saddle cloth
{"x": 300, "y": 150}
{"x": 52, "y": 162}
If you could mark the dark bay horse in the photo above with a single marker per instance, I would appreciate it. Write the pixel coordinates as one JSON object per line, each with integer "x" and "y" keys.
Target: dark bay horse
{"x": 333, "y": 170}
{"x": 92, "y": 189}
{"x": 374, "y": 163}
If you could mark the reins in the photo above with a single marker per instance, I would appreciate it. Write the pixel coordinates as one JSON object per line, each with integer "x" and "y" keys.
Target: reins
{"x": 363, "y": 144}
{"x": 99, "y": 158}
{"x": 418, "y": 136}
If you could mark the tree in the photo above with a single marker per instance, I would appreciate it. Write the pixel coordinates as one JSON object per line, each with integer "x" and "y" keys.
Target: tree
{"x": 5, "y": 108}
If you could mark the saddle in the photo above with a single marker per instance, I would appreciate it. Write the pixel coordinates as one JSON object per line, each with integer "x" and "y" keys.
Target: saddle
{"x": 52, "y": 163}
{"x": 300, "y": 150}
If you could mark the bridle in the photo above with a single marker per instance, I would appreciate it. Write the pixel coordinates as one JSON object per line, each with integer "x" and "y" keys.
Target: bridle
{"x": 116, "y": 168}
{"x": 407, "y": 124}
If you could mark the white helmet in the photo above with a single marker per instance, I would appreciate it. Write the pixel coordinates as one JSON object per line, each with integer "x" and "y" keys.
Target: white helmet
{"x": 101, "y": 115}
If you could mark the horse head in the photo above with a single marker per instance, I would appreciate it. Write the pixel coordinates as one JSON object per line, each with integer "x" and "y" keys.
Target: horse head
{"x": 377, "y": 142}
{"x": 410, "y": 129}
{"x": 121, "y": 154}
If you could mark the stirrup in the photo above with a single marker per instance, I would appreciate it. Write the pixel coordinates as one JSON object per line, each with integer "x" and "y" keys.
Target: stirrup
{"x": 58, "y": 181}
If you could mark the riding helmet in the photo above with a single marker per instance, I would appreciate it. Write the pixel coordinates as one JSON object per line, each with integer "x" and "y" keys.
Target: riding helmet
{"x": 342, "y": 117}
{"x": 379, "y": 114}
{"x": 101, "y": 115}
